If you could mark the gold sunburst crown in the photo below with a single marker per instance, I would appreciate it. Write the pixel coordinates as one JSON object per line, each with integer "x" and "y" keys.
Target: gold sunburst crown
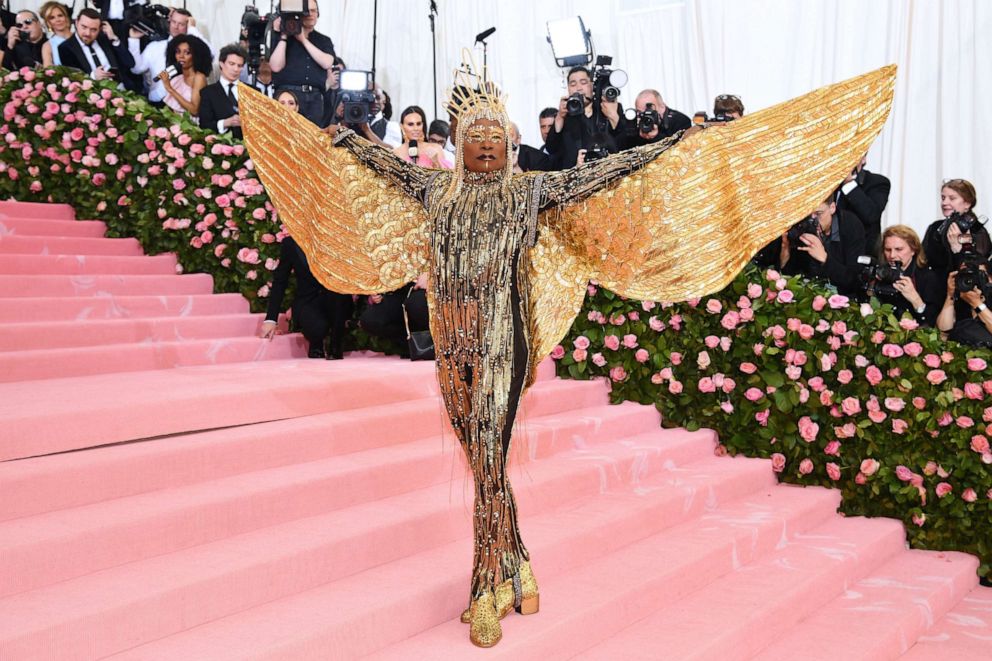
{"x": 472, "y": 90}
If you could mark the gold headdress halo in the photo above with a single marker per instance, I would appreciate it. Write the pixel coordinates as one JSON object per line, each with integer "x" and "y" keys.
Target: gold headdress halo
{"x": 472, "y": 91}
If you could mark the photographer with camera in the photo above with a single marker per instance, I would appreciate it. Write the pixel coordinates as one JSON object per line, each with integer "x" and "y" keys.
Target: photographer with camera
{"x": 219, "y": 101}
{"x": 579, "y": 125}
{"x": 26, "y": 44}
{"x": 865, "y": 194}
{"x": 958, "y": 231}
{"x": 825, "y": 245}
{"x": 301, "y": 58}
{"x": 652, "y": 121}
{"x": 151, "y": 61}
{"x": 902, "y": 278}
{"x": 115, "y": 11}
{"x": 965, "y": 317}
{"x": 96, "y": 50}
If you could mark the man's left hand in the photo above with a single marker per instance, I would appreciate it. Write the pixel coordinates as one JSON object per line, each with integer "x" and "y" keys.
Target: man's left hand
{"x": 611, "y": 111}
{"x": 813, "y": 246}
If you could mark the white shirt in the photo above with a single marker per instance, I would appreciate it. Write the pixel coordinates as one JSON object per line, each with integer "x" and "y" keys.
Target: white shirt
{"x": 394, "y": 136}
{"x": 225, "y": 85}
{"x": 116, "y": 10}
{"x": 102, "y": 59}
{"x": 151, "y": 62}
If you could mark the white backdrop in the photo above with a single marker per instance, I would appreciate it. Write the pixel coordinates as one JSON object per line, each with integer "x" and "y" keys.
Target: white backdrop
{"x": 765, "y": 51}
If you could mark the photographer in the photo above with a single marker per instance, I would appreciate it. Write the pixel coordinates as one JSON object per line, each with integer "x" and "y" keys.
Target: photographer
{"x": 945, "y": 238}
{"x": 114, "y": 11}
{"x": 96, "y": 50}
{"x": 865, "y": 194}
{"x": 26, "y": 43}
{"x": 654, "y": 121}
{"x": 151, "y": 61}
{"x": 438, "y": 132}
{"x": 825, "y": 245}
{"x": 332, "y": 93}
{"x": 581, "y": 127}
{"x": 965, "y": 317}
{"x": 907, "y": 284}
{"x": 384, "y": 317}
{"x": 727, "y": 107}
{"x": 300, "y": 60}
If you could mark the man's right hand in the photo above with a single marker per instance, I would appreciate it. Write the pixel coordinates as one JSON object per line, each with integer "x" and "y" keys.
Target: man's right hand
{"x": 13, "y": 37}
{"x": 134, "y": 33}
{"x": 563, "y": 107}
{"x": 232, "y": 121}
{"x": 650, "y": 135}
{"x": 268, "y": 330}
{"x": 102, "y": 74}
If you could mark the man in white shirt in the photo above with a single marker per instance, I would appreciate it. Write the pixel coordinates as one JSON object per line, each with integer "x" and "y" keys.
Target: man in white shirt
{"x": 219, "y": 101}
{"x": 151, "y": 60}
{"x": 95, "y": 50}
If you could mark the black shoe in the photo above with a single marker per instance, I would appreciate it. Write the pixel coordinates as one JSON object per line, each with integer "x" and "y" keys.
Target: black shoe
{"x": 315, "y": 352}
{"x": 334, "y": 349}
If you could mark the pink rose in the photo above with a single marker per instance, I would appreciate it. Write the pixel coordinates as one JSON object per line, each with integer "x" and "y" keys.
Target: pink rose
{"x": 870, "y": 467}
{"x": 899, "y": 426}
{"x": 714, "y": 306}
{"x": 598, "y": 360}
{"x": 808, "y": 429}
{"x": 730, "y": 320}
{"x": 558, "y": 352}
{"x": 806, "y": 331}
{"x": 676, "y": 358}
{"x": 833, "y": 471}
{"x": 878, "y": 337}
{"x": 894, "y": 403}
{"x": 819, "y": 303}
{"x": 979, "y": 444}
{"x": 845, "y": 376}
{"x": 711, "y": 341}
{"x": 877, "y": 416}
{"x": 706, "y": 385}
{"x": 919, "y": 403}
{"x": 973, "y": 391}
{"x": 845, "y": 431}
{"x": 579, "y": 355}
{"x": 641, "y": 356}
{"x": 618, "y": 374}
{"x": 874, "y": 375}
{"x": 656, "y": 324}
{"x": 860, "y": 361}
{"x": 675, "y": 387}
{"x": 748, "y": 368}
{"x": 943, "y": 489}
{"x": 832, "y": 448}
{"x": 762, "y": 417}
{"x": 793, "y": 372}
{"x": 806, "y": 466}
{"x": 581, "y": 342}
{"x": 903, "y": 473}
{"x": 778, "y": 462}
{"x": 793, "y": 324}
{"x": 908, "y": 324}
{"x": 931, "y": 360}
{"x": 919, "y": 519}
{"x": 860, "y": 478}
{"x": 754, "y": 290}
{"x": 630, "y": 341}
{"x": 785, "y": 296}
{"x": 612, "y": 342}
{"x": 726, "y": 407}
{"x": 964, "y": 422}
{"x": 913, "y": 349}
{"x": 703, "y": 360}
{"x": 969, "y": 495}
{"x": 753, "y": 394}
{"x": 837, "y": 301}
{"x": 892, "y": 350}
{"x": 666, "y": 373}
{"x": 747, "y": 314}
{"x": 977, "y": 364}
{"x": 729, "y": 385}
{"x": 850, "y": 406}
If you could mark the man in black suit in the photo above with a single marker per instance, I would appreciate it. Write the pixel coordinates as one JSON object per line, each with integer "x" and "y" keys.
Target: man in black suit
{"x": 219, "y": 101}
{"x": 527, "y": 158}
{"x": 96, "y": 50}
{"x": 865, "y": 194}
{"x": 316, "y": 310}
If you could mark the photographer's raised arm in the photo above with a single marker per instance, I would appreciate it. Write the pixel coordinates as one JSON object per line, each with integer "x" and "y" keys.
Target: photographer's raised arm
{"x": 413, "y": 179}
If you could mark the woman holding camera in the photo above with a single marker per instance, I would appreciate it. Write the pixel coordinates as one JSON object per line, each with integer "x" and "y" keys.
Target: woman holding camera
{"x": 919, "y": 290}
{"x": 965, "y": 316}
{"x": 946, "y": 238}
{"x": 415, "y": 148}
{"x": 189, "y": 65}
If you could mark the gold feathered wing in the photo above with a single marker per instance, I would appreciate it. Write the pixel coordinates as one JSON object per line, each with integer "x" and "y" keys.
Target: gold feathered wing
{"x": 362, "y": 233}
{"x": 687, "y": 223}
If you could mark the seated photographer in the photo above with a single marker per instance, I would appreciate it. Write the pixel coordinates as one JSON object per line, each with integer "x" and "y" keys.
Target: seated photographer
{"x": 904, "y": 281}
{"x": 384, "y": 315}
{"x": 59, "y": 23}
{"x": 96, "y": 50}
{"x": 965, "y": 317}
{"x": 320, "y": 313}
{"x": 652, "y": 122}
{"x": 865, "y": 194}
{"x": 188, "y": 66}
{"x": 219, "y": 101}
{"x": 300, "y": 59}
{"x": 26, "y": 43}
{"x": 825, "y": 245}
{"x": 946, "y": 238}
{"x": 579, "y": 126}
{"x": 415, "y": 149}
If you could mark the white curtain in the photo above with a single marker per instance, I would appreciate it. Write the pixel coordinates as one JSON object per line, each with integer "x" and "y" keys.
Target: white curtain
{"x": 765, "y": 51}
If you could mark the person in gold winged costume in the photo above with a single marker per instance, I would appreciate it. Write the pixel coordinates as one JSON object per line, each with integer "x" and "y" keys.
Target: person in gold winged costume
{"x": 509, "y": 255}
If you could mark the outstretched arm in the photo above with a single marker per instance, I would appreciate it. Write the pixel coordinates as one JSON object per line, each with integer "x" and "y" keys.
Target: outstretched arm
{"x": 413, "y": 179}
{"x": 576, "y": 184}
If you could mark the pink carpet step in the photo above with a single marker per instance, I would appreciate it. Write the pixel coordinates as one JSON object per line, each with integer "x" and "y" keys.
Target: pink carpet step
{"x": 186, "y": 588}
{"x": 40, "y": 364}
{"x": 431, "y": 587}
{"x": 54, "y": 482}
{"x": 37, "y": 210}
{"x": 87, "y": 265}
{"x": 92, "y": 333}
{"x": 48, "y": 227}
{"x": 106, "y": 306}
{"x": 35, "y": 286}
{"x": 110, "y": 408}
{"x": 48, "y": 548}
{"x": 14, "y": 244}
{"x": 963, "y": 634}
{"x": 883, "y": 614}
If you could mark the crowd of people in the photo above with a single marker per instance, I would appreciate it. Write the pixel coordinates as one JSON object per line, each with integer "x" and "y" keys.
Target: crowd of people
{"x": 940, "y": 280}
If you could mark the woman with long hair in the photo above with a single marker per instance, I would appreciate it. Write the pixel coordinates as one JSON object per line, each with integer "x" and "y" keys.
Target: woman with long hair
{"x": 415, "y": 147}
{"x": 56, "y": 17}
{"x": 191, "y": 63}
{"x": 918, "y": 290}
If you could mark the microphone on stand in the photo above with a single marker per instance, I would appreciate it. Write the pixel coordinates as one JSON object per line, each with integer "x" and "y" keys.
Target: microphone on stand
{"x": 413, "y": 150}
{"x": 485, "y": 34}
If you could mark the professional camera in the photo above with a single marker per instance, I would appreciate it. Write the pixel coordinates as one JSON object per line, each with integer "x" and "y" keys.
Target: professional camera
{"x": 971, "y": 277}
{"x": 597, "y": 151}
{"x": 357, "y": 96}
{"x": 606, "y": 82}
{"x": 255, "y": 30}
{"x": 702, "y": 119}
{"x": 648, "y": 120}
{"x": 808, "y": 225}
{"x": 965, "y": 221}
{"x": 881, "y": 277}
{"x": 575, "y": 105}
{"x": 150, "y": 20}
{"x": 292, "y": 13}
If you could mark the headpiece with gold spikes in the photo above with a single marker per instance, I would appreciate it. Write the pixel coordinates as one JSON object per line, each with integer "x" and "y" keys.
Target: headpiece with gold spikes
{"x": 473, "y": 91}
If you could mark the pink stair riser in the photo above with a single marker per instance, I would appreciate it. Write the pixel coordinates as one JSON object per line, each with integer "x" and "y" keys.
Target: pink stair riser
{"x": 37, "y": 210}
{"x": 14, "y": 244}
{"x": 107, "y": 306}
{"x": 87, "y": 265}
{"x": 48, "y": 227}
{"x": 35, "y": 286}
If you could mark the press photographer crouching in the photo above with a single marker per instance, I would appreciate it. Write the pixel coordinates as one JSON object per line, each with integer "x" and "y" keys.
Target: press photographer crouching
{"x": 902, "y": 278}
{"x": 965, "y": 317}
{"x": 400, "y": 315}
{"x": 650, "y": 121}
{"x": 946, "y": 238}
{"x": 825, "y": 245}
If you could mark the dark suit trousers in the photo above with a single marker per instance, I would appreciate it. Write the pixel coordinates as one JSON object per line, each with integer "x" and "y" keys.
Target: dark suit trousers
{"x": 325, "y": 313}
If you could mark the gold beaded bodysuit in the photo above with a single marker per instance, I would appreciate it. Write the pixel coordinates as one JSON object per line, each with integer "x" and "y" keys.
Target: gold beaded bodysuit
{"x": 509, "y": 255}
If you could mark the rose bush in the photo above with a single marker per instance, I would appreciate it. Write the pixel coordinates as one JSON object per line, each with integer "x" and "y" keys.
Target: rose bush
{"x": 836, "y": 393}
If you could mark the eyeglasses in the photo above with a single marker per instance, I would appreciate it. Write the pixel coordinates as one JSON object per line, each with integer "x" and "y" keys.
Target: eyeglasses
{"x": 27, "y": 22}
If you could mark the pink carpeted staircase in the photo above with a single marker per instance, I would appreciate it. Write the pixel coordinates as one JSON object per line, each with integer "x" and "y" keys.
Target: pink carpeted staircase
{"x": 173, "y": 488}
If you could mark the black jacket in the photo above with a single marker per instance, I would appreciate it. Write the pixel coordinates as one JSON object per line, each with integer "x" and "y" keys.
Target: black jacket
{"x": 929, "y": 285}
{"x": 71, "y": 54}
{"x": 580, "y": 133}
{"x": 104, "y": 6}
{"x": 938, "y": 251}
{"x": 867, "y": 201}
{"x": 24, "y": 54}
{"x": 843, "y": 249}
{"x": 215, "y": 106}
{"x": 292, "y": 260}
{"x": 531, "y": 159}
{"x": 672, "y": 121}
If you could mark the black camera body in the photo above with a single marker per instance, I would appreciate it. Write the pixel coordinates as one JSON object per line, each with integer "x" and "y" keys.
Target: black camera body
{"x": 971, "y": 277}
{"x": 292, "y": 13}
{"x": 648, "y": 120}
{"x": 606, "y": 82}
{"x": 881, "y": 277}
{"x": 596, "y": 152}
{"x": 24, "y": 35}
{"x": 254, "y": 30}
{"x": 575, "y": 105}
{"x": 356, "y": 96}
{"x": 808, "y": 225}
{"x": 150, "y": 20}
{"x": 965, "y": 221}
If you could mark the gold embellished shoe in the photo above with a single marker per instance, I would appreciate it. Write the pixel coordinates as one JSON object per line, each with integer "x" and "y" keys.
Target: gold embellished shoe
{"x": 485, "y": 630}
{"x": 530, "y": 600}
{"x": 505, "y": 601}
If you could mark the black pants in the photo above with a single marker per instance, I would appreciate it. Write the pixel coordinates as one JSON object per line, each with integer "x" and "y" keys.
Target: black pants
{"x": 385, "y": 319}
{"x": 326, "y": 313}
